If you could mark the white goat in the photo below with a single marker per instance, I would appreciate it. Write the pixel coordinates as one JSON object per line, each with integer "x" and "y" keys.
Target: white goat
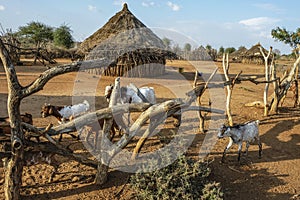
{"x": 238, "y": 134}
{"x": 129, "y": 95}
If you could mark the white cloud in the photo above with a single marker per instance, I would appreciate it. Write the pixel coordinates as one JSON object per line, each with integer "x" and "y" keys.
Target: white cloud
{"x": 258, "y": 23}
{"x": 173, "y": 6}
{"x": 148, "y": 4}
{"x": 92, "y": 8}
{"x": 2, "y": 8}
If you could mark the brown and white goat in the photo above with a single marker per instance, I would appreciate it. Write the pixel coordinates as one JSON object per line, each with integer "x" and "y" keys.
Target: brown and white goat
{"x": 65, "y": 113}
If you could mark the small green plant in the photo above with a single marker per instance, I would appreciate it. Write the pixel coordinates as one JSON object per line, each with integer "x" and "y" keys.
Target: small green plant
{"x": 183, "y": 179}
{"x": 212, "y": 191}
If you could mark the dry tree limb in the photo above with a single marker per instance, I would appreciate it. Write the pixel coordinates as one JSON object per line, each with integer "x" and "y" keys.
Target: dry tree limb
{"x": 267, "y": 77}
{"x": 200, "y": 115}
{"x": 229, "y": 87}
{"x": 258, "y": 104}
{"x": 284, "y": 85}
{"x": 102, "y": 168}
{"x": 56, "y": 147}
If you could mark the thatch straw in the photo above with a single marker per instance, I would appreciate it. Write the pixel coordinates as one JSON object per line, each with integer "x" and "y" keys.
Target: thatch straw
{"x": 253, "y": 55}
{"x": 127, "y": 42}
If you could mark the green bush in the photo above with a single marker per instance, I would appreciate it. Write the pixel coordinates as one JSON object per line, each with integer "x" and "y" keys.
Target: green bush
{"x": 183, "y": 179}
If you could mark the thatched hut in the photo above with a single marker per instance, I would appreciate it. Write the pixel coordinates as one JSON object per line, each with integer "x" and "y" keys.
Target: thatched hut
{"x": 132, "y": 47}
{"x": 237, "y": 55}
{"x": 253, "y": 55}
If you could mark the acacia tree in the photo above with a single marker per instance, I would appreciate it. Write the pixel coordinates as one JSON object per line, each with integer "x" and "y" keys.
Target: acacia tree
{"x": 36, "y": 33}
{"x": 292, "y": 39}
{"x": 62, "y": 36}
{"x": 288, "y": 37}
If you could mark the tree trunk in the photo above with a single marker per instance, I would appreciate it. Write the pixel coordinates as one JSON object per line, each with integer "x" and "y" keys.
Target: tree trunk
{"x": 201, "y": 118}
{"x": 286, "y": 83}
{"x": 275, "y": 102}
{"x": 16, "y": 92}
{"x": 102, "y": 168}
{"x": 267, "y": 76}
{"x": 14, "y": 167}
{"x": 229, "y": 89}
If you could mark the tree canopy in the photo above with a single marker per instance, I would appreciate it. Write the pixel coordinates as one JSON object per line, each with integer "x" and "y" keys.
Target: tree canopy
{"x": 221, "y": 50}
{"x": 62, "y": 36}
{"x": 36, "y": 33}
{"x": 167, "y": 42}
{"x": 187, "y": 47}
{"x": 288, "y": 37}
{"x": 230, "y": 50}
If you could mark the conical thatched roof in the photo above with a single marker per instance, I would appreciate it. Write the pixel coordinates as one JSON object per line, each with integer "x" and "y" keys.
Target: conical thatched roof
{"x": 254, "y": 56}
{"x": 237, "y": 55}
{"x": 132, "y": 47}
{"x": 122, "y": 29}
{"x": 241, "y": 51}
{"x": 255, "y": 51}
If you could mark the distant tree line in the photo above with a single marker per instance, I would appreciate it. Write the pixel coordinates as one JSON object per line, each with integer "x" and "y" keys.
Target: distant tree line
{"x": 37, "y": 34}
{"x": 39, "y": 41}
{"x": 199, "y": 53}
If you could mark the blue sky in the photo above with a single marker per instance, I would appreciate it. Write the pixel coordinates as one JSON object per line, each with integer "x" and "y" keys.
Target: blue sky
{"x": 218, "y": 23}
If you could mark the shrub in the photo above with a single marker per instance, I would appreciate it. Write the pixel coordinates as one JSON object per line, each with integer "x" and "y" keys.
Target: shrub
{"x": 183, "y": 179}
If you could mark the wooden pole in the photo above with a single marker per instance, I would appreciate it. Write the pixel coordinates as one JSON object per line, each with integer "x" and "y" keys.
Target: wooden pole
{"x": 267, "y": 77}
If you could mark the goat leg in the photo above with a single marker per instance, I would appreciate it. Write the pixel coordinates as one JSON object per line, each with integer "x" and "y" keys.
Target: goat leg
{"x": 113, "y": 133}
{"x": 53, "y": 173}
{"x": 177, "y": 120}
{"x": 227, "y": 148}
{"x": 247, "y": 146}
{"x": 224, "y": 154}
{"x": 240, "y": 150}
{"x": 60, "y": 137}
{"x": 260, "y": 148}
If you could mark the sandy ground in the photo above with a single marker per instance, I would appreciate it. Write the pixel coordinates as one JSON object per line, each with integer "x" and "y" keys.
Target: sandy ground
{"x": 275, "y": 176}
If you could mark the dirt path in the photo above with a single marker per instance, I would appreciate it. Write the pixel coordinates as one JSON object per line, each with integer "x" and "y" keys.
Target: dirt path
{"x": 275, "y": 176}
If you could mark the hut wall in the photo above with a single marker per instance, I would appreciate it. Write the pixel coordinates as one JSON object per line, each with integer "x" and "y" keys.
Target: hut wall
{"x": 144, "y": 70}
{"x": 253, "y": 60}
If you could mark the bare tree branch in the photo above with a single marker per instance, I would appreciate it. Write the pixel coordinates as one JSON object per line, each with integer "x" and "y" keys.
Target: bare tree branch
{"x": 40, "y": 82}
